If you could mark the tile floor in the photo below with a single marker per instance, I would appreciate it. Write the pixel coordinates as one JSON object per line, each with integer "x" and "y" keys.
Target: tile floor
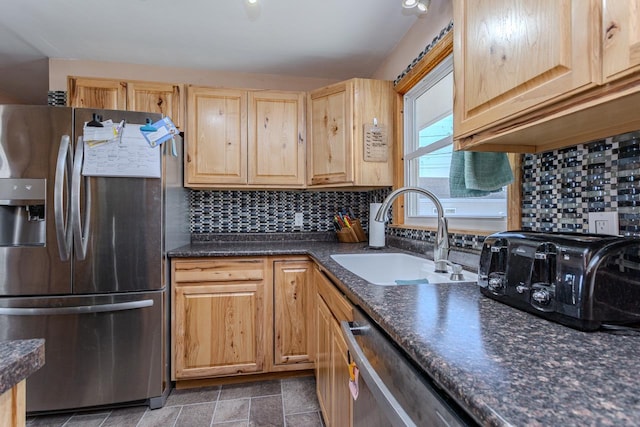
{"x": 288, "y": 403}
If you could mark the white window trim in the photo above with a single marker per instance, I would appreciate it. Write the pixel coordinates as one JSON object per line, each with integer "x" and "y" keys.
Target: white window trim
{"x": 411, "y": 134}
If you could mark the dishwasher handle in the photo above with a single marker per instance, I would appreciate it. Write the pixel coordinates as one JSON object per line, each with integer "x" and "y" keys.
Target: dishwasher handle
{"x": 384, "y": 398}
{"x": 79, "y": 309}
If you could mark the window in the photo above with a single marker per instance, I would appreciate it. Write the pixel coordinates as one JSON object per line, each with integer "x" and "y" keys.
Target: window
{"x": 428, "y": 146}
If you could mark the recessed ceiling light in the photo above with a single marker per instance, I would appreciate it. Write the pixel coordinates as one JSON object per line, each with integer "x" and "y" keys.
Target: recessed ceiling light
{"x": 252, "y": 1}
{"x": 423, "y": 5}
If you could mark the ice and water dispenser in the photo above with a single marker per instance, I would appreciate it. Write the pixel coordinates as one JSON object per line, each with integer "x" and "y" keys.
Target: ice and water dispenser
{"x": 22, "y": 212}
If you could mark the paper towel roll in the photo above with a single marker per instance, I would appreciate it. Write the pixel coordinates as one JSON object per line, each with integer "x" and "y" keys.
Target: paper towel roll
{"x": 376, "y": 229}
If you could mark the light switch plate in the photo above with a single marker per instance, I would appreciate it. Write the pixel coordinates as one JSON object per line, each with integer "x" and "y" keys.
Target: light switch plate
{"x": 298, "y": 219}
{"x": 604, "y": 223}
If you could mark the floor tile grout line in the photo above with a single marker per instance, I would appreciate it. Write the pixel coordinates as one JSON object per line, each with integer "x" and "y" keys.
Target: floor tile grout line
{"x": 284, "y": 415}
{"x": 142, "y": 417}
{"x": 178, "y": 417}
{"x": 215, "y": 408}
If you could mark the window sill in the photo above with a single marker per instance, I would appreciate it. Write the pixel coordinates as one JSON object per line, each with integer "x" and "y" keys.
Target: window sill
{"x": 451, "y": 230}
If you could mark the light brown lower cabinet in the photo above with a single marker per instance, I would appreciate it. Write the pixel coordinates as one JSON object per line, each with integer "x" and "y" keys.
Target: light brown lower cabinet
{"x": 13, "y": 406}
{"x": 332, "y": 361}
{"x": 293, "y": 293}
{"x": 219, "y": 312}
{"x": 241, "y": 316}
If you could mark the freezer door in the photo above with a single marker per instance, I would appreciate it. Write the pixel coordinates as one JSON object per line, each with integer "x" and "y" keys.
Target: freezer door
{"x": 99, "y": 350}
{"x": 35, "y": 160}
{"x": 118, "y": 244}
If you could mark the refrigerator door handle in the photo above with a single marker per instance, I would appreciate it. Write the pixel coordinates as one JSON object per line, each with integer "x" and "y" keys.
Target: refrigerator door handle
{"x": 60, "y": 212}
{"x": 80, "y": 232}
{"x": 80, "y": 309}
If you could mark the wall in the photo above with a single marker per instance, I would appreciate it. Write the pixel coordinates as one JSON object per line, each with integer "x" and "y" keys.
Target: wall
{"x": 426, "y": 28}
{"x": 24, "y": 82}
{"x": 59, "y": 69}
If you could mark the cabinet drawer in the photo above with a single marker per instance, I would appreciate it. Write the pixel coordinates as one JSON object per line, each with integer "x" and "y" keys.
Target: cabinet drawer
{"x": 220, "y": 270}
{"x": 337, "y": 303}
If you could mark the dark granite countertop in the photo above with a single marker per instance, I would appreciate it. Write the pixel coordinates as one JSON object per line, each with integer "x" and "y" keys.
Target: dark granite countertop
{"x": 504, "y": 366}
{"x": 18, "y": 360}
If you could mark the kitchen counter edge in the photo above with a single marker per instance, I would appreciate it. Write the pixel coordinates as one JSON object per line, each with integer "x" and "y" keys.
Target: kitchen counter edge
{"x": 18, "y": 360}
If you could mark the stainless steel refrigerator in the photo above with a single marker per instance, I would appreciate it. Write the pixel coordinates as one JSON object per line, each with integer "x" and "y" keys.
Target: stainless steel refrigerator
{"x": 83, "y": 261}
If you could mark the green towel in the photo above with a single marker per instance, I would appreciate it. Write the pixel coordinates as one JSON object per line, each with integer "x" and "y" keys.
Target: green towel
{"x": 475, "y": 174}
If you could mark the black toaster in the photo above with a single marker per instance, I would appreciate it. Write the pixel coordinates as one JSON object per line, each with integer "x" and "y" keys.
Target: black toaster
{"x": 580, "y": 280}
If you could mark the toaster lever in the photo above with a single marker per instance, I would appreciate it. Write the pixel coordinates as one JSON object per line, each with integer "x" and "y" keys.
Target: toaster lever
{"x": 541, "y": 296}
{"x": 495, "y": 283}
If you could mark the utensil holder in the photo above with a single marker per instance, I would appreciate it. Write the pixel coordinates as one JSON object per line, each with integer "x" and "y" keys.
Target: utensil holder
{"x": 353, "y": 234}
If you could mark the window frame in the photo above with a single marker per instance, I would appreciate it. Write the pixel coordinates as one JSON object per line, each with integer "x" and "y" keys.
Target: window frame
{"x": 438, "y": 53}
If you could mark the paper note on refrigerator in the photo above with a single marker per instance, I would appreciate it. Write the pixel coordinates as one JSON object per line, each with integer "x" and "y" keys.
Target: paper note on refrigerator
{"x": 129, "y": 156}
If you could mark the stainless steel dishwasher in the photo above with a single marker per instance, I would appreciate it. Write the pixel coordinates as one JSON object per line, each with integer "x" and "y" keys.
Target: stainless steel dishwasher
{"x": 392, "y": 392}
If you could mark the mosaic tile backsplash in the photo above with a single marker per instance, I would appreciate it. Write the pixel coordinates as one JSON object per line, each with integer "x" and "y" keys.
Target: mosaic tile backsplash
{"x": 273, "y": 211}
{"x": 561, "y": 187}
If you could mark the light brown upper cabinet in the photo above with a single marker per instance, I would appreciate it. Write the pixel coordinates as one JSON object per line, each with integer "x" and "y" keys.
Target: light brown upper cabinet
{"x": 336, "y": 151}
{"x": 276, "y": 138}
{"x": 514, "y": 55}
{"x": 97, "y": 93}
{"x": 216, "y": 137}
{"x": 536, "y": 76}
{"x": 621, "y": 49}
{"x": 163, "y": 98}
{"x": 153, "y": 97}
{"x": 239, "y": 138}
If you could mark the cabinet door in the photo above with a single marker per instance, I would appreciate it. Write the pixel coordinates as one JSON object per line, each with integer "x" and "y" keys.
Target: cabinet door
{"x": 292, "y": 299}
{"x": 329, "y": 150}
{"x": 216, "y": 137}
{"x": 163, "y": 98}
{"x": 218, "y": 329}
{"x": 621, "y": 38}
{"x": 513, "y": 55}
{"x": 342, "y": 402}
{"x": 324, "y": 358}
{"x": 276, "y": 138}
{"x": 97, "y": 93}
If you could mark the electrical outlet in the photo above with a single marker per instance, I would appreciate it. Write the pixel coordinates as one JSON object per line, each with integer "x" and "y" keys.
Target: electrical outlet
{"x": 298, "y": 219}
{"x": 604, "y": 223}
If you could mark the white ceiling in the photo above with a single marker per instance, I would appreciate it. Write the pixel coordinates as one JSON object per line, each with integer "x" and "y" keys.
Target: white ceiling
{"x": 335, "y": 39}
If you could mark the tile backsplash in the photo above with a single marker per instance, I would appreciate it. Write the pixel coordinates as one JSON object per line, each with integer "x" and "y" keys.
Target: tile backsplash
{"x": 273, "y": 211}
{"x": 560, "y": 188}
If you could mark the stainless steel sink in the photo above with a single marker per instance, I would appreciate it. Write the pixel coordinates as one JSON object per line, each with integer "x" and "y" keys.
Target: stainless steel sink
{"x": 391, "y": 269}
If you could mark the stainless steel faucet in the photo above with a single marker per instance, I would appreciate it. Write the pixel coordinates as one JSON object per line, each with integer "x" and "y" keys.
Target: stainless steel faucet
{"x": 441, "y": 247}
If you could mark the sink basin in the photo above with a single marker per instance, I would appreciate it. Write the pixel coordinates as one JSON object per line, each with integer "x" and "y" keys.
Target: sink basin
{"x": 391, "y": 269}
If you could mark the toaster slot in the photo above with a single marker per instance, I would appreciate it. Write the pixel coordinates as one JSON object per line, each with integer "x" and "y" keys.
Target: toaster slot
{"x": 493, "y": 266}
{"x": 543, "y": 277}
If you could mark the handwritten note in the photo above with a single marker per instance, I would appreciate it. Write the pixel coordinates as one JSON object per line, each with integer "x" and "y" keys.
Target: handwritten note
{"x": 376, "y": 145}
{"x": 129, "y": 156}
